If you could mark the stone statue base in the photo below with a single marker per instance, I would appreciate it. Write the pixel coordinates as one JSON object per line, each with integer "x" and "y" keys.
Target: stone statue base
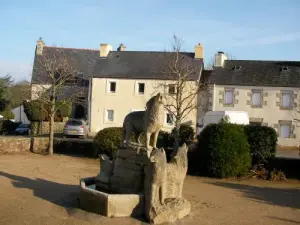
{"x": 173, "y": 209}
{"x": 128, "y": 171}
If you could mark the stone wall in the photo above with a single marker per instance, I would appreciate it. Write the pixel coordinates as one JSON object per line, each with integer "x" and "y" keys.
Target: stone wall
{"x": 58, "y": 127}
{"x": 14, "y": 144}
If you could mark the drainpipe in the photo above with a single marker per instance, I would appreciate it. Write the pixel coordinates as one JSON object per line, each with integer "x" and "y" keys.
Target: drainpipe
{"x": 90, "y": 103}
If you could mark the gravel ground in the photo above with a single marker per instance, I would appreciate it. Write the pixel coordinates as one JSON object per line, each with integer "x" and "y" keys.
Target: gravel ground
{"x": 38, "y": 189}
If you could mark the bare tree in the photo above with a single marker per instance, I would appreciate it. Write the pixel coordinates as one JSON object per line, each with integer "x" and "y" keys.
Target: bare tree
{"x": 210, "y": 63}
{"x": 58, "y": 85}
{"x": 181, "y": 85}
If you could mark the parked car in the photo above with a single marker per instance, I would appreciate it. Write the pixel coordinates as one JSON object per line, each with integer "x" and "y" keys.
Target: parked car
{"x": 76, "y": 127}
{"x": 23, "y": 129}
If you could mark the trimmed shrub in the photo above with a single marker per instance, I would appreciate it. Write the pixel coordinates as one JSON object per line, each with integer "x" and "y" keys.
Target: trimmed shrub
{"x": 35, "y": 111}
{"x": 7, "y": 114}
{"x": 109, "y": 139}
{"x": 263, "y": 142}
{"x": 186, "y": 134}
{"x": 223, "y": 151}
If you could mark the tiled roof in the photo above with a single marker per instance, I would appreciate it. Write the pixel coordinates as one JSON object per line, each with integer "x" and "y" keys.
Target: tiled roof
{"x": 118, "y": 64}
{"x": 257, "y": 73}
{"x": 140, "y": 65}
{"x": 83, "y": 60}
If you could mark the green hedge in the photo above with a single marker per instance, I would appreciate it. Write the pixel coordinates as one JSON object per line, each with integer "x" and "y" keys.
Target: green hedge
{"x": 35, "y": 111}
{"x": 263, "y": 142}
{"x": 223, "y": 151}
{"x": 109, "y": 139}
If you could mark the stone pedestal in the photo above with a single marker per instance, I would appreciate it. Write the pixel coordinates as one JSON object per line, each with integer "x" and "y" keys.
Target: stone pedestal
{"x": 128, "y": 170}
{"x": 173, "y": 209}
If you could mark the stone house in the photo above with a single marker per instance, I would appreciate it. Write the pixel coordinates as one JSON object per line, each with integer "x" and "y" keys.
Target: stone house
{"x": 118, "y": 82}
{"x": 267, "y": 90}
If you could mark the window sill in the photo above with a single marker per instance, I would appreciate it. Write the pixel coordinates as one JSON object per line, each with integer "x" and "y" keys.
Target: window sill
{"x": 256, "y": 106}
{"x": 285, "y": 108}
{"x": 228, "y": 105}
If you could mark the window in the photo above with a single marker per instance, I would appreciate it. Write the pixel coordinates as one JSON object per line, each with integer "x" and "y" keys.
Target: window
{"x": 112, "y": 86}
{"x": 285, "y": 130}
{"x": 172, "y": 89}
{"x": 286, "y": 100}
{"x": 110, "y": 115}
{"x": 256, "y": 98}
{"x": 141, "y": 88}
{"x": 169, "y": 119}
{"x": 228, "y": 97}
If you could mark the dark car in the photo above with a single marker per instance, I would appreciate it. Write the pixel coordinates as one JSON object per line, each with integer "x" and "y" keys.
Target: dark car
{"x": 23, "y": 129}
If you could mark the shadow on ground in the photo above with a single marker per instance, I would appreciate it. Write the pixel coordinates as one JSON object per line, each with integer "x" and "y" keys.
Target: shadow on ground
{"x": 285, "y": 220}
{"x": 64, "y": 195}
{"x": 287, "y": 197}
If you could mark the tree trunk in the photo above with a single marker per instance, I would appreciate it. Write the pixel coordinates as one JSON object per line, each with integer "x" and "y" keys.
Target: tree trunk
{"x": 51, "y": 134}
{"x": 177, "y": 135}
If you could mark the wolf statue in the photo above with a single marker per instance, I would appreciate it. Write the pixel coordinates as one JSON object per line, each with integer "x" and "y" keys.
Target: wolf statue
{"x": 148, "y": 122}
{"x": 155, "y": 181}
{"x": 176, "y": 172}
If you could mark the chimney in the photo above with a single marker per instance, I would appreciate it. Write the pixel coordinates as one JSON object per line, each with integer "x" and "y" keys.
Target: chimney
{"x": 220, "y": 57}
{"x": 39, "y": 47}
{"x": 199, "y": 51}
{"x": 121, "y": 48}
{"x": 105, "y": 49}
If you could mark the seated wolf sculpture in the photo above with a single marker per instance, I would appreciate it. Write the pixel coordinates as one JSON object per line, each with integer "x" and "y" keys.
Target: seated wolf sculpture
{"x": 148, "y": 122}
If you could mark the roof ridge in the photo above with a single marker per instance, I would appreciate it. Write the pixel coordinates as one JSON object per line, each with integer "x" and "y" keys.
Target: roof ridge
{"x": 261, "y": 60}
{"x": 85, "y": 49}
{"x": 151, "y": 51}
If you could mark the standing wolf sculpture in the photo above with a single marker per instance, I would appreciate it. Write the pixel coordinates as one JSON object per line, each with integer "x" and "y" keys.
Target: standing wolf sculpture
{"x": 149, "y": 122}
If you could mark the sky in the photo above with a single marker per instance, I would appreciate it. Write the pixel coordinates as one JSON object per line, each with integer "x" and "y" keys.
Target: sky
{"x": 256, "y": 29}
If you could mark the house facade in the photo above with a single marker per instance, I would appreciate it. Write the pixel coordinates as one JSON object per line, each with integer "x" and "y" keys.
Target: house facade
{"x": 267, "y": 90}
{"x": 124, "y": 81}
{"x": 119, "y": 82}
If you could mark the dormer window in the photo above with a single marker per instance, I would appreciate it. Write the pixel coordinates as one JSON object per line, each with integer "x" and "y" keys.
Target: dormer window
{"x": 236, "y": 67}
{"x": 284, "y": 69}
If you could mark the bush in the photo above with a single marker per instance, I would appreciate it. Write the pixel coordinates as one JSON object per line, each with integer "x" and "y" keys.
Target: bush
{"x": 262, "y": 141}
{"x": 7, "y": 114}
{"x": 109, "y": 139}
{"x": 223, "y": 151}
{"x": 186, "y": 134}
{"x": 35, "y": 111}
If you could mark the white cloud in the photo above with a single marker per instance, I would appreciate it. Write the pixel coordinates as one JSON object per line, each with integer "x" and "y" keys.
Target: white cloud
{"x": 18, "y": 70}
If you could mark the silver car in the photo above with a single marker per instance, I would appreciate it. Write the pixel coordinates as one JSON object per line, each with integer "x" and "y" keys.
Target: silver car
{"x": 76, "y": 127}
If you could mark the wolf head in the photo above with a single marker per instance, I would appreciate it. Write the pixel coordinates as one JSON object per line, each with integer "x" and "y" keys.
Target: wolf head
{"x": 155, "y": 100}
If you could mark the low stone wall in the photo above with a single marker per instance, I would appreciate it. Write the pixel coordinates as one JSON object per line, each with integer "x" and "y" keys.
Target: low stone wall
{"x": 14, "y": 144}
{"x": 45, "y": 129}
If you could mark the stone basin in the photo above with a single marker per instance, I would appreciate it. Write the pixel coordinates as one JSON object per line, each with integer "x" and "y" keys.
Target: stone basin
{"x": 109, "y": 204}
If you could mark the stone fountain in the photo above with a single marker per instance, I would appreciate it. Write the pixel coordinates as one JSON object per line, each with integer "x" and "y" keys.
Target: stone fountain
{"x": 138, "y": 181}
